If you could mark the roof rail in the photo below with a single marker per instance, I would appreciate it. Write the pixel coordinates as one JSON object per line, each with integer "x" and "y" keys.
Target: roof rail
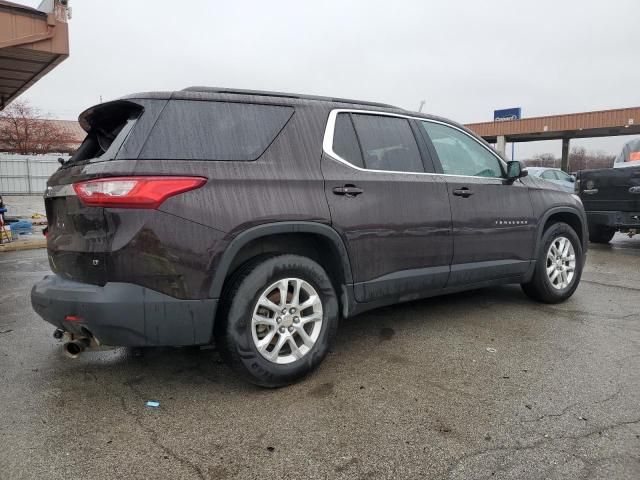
{"x": 284, "y": 95}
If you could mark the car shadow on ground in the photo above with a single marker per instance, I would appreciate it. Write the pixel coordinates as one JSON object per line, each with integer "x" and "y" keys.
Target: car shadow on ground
{"x": 193, "y": 366}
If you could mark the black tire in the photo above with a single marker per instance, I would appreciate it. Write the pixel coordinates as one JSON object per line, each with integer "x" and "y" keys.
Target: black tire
{"x": 233, "y": 331}
{"x": 540, "y": 287}
{"x": 600, "y": 234}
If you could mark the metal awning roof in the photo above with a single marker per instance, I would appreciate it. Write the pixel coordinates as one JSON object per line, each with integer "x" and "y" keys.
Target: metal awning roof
{"x": 32, "y": 42}
{"x": 603, "y": 123}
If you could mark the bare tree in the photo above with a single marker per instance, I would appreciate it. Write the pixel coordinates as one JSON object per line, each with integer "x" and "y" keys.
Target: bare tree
{"x": 547, "y": 160}
{"x": 579, "y": 159}
{"x": 582, "y": 159}
{"x": 25, "y": 130}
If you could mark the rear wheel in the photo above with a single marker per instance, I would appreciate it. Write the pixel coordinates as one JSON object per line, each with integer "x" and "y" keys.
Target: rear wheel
{"x": 278, "y": 319}
{"x": 558, "y": 267}
{"x": 600, "y": 234}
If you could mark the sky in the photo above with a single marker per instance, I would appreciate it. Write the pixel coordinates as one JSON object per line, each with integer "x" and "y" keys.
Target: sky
{"x": 463, "y": 58}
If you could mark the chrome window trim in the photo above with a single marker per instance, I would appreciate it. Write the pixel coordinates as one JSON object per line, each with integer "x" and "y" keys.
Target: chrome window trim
{"x": 327, "y": 143}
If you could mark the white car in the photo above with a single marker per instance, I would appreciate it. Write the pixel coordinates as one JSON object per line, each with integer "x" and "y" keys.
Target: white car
{"x": 554, "y": 175}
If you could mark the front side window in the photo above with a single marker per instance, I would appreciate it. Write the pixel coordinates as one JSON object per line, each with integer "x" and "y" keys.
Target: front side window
{"x": 549, "y": 175}
{"x": 460, "y": 154}
{"x": 387, "y": 143}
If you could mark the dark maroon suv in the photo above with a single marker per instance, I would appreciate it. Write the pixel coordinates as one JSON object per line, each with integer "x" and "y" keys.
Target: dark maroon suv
{"x": 256, "y": 220}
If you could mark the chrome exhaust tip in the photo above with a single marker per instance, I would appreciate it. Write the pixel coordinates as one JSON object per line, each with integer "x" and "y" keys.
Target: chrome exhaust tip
{"x": 74, "y": 348}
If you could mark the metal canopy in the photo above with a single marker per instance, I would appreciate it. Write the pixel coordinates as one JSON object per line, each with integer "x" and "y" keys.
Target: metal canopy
{"x": 603, "y": 123}
{"x": 32, "y": 42}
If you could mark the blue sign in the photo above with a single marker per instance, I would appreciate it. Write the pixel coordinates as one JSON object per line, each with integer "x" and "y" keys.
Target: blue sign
{"x": 507, "y": 114}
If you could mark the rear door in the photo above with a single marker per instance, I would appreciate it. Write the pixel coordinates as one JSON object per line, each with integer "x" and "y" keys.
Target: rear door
{"x": 493, "y": 222}
{"x": 390, "y": 208}
{"x": 611, "y": 189}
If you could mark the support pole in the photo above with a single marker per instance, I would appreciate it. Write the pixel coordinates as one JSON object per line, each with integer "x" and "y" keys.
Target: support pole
{"x": 29, "y": 176}
{"x": 501, "y": 144}
{"x": 564, "y": 165}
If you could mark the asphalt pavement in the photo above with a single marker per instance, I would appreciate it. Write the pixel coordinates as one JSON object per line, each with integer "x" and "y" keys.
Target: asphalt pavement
{"x": 484, "y": 384}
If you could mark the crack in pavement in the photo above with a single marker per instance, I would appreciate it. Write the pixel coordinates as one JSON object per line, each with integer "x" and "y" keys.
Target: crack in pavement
{"x": 612, "y": 285}
{"x": 564, "y": 410}
{"x": 153, "y": 437}
{"x": 536, "y": 443}
{"x": 567, "y": 313}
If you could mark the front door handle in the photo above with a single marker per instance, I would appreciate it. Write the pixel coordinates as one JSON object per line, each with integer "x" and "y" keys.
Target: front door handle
{"x": 463, "y": 192}
{"x": 348, "y": 191}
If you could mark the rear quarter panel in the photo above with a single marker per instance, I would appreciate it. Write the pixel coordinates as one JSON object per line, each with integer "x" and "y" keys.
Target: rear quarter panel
{"x": 175, "y": 249}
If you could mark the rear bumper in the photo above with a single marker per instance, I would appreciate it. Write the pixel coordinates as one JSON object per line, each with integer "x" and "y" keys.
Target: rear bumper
{"x": 614, "y": 219}
{"x": 124, "y": 314}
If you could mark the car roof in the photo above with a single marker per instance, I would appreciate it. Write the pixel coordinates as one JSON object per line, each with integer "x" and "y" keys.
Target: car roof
{"x": 293, "y": 99}
{"x": 264, "y": 93}
{"x": 280, "y": 98}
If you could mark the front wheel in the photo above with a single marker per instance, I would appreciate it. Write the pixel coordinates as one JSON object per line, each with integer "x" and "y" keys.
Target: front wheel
{"x": 558, "y": 267}
{"x": 278, "y": 319}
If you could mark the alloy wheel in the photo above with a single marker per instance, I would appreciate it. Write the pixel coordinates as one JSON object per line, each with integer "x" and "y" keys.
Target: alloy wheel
{"x": 287, "y": 320}
{"x": 561, "y": 263}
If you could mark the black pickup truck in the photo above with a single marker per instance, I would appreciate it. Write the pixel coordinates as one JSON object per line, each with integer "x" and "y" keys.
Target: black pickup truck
{"x": 611, "y": 196}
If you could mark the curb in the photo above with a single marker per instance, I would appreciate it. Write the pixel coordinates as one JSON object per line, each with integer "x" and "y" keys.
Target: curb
{"x": 18, "y": 245}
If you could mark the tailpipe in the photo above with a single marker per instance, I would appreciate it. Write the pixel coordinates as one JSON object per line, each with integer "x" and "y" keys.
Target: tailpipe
{"x": 74, "y": 348}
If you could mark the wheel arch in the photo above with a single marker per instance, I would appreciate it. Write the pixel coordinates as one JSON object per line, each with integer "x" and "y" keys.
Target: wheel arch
{"x": 319, "y": 241}
{"x": 569, "y": 215}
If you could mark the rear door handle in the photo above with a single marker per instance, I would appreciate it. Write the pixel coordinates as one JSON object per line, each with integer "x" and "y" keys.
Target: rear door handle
{"x": 348, "y": 191}
{"x": 463, "y": 192}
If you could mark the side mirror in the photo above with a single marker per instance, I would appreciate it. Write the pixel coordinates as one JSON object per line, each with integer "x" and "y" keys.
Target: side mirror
{"x": 572, "y": 179}
{"x": 515, "y": 170}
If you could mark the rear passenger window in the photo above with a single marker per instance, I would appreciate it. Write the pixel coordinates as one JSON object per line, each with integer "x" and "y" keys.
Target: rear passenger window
{"x": 200, "y": 130}
{"x": 387, "y": 143}
{"x": 345, "y": 142}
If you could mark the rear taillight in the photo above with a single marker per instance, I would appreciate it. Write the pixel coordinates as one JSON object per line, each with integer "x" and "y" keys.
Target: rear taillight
{"x": 133, "y": 192}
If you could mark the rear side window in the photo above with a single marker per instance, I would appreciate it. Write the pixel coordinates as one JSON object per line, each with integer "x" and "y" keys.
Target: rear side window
{"x": 199, "y": 130}
{"x": 345, "y": 142}
{"x": 387, "y": 143}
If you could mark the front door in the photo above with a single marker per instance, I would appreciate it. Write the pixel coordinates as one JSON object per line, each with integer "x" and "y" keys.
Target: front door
{"x": 393, "y": 216}
{"x": 493, "y": 222}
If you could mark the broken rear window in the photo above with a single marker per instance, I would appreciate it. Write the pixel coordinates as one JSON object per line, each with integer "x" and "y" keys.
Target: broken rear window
{"x": 107, "y": 127}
